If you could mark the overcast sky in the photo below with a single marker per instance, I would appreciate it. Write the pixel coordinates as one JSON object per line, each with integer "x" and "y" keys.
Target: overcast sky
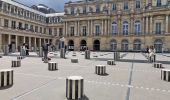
{"x": 58, "y": 5}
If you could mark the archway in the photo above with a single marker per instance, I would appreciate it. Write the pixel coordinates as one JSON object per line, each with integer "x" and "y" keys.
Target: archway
{"x": 137, "y": 45}
{"x": 125, "y": 45}
{"x": 71, "y": 45}
{"x": 83, "y": 45}
{"x": 96, "y": 45}
{"x": 158, "y": 44}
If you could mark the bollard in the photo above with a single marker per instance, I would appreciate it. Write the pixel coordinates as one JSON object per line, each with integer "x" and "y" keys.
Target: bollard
{"x": 52, "y": 66}
{"x": 74, "y": 60}
{"x": 74, "y": 87}
{"x": 165, "y": 75}
{"x": 6, "y": 77}
{"x": 100, "y": 70}
{"x": 87, "y": 54}
{"x": 62, "y": 53}
{"x": 20, "y": 57}
{"x": 40, "y": 52}
{"x": 16, "y": 63}
{"x": 157, "y": 65}
{"x": 111, "y": 62}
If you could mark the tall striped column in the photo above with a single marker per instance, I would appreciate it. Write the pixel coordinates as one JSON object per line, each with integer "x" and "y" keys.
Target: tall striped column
{"x": 157, "y": 65}
{"x": 111, "y": 62}
{"x": 116, "y": 56}
{"x": 74, "y": 87}
{"x": 20, "y": 57}
{"x": 62, "y": 53}
{"x": 165, "y": 75}
{"x": 87, "y": 54}
{"x": 6, "y": 77}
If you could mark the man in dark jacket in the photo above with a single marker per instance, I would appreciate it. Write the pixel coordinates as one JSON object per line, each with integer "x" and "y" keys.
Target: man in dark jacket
{"x": 45, "y": 50}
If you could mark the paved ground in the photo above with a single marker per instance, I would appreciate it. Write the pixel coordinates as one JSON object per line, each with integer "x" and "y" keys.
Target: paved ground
{"x": 132, "y": 78}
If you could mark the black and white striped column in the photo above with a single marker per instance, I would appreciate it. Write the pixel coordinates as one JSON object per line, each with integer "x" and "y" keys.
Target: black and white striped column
{"x": 52, "y": 66}
{"x": 87, "y": 54}
{"x": 116, "y": 56}
{"x": 165, "y": 75}
{"x": 157, "y": 65}
{"x": 74, "y": 60}
{"x": 6, "y": 77}
{"x": 74, "y": 87}
{"x": 100, "y": 69}
{"x": 111, "y": 62}
{"x": 62, "y": 53}
{"x": 16, "y": 63}
{"x": 20, "y": 57}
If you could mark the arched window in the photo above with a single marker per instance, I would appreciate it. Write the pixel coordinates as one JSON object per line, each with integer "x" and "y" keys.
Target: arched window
{"x": 113, "y": 45}
{"x": 124, "y": 45}
{"x": 137, "y": 45}
{"x": 158, "y": 44}
{"x": 125, "y": 28}
{"x": 114, "y": 28}
{"x": 137, "y": 28}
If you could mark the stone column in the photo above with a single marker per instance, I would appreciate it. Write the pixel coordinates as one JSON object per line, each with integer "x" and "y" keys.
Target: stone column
{"x": 30, "y": 43}
{"x": 9, "y": 39}
{"x": 102, "y": 28}
{"x": 88, "y": 28}
{"x": 167, "y": 22}
{"x": 143, "y": 25}
{"x": 35, "y": 45}
{"x": 78, "y": 33}
{"x": 66, "y": 30}
{"x": 119, "y": 27}
{"x": 146, "y": 25}
{"x": 151, "y": 27}
{"x": 108, "y": 27}
{"x": 91, "y": 27}
{"x": 105, "y": 27}
{"x": 131, "y": 31}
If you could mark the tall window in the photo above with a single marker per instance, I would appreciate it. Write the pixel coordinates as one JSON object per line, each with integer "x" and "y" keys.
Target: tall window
{"x": 125, "y": 28}
{"x": 159, "y": 3}
{"x": 124, "y": 45}
{"x": 114, "y": 28}
{"x": 97, "y": 33}
{"x": 126, "y": 5}
{"x": 40, "y": 29}
{"x": 158, "y": 28}
{"x": 137, "y": 3}
{"x": 84, "y": 31}
{"x": 137, "y": 28}
{"x": 98, "y": 9}
{"x": 137, "y": 45}
{"x": 6, "y": 23}
{"x": 13, "y": 25}
{"x": 72, "y": 31}
{"x": 72, "y": 11}
{"x": 36, "y": 28}
{"x": 60, "y": 31}
{"x": 114, "y": 6}
{"x": 50, "y": 31}
{"x": 84, "y": 10}
{"x": 26, "y": 26}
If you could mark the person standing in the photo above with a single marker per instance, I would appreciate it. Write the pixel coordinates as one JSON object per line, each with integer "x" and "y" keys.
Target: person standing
{"x": 45, "y": 51}
{"x": 27, "y": 49}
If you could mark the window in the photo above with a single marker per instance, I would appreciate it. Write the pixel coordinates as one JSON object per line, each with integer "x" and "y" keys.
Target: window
{"x": 72, "y": 31}
{"x": 84, "y": 31}
{"x": 72, "y": 11}
{"x": 137, "y": 45}
{"x": 125, "y": 28}
{"x": 126, "y": 6}
{"x": 20, "y": 26}
{"x": 137, "y": 28}
{"x": 31, "y": 28}
{"x": 98, "y": 9}
{"x": 60, "y": 31}
{"x": 44, "y": 30}
{"x": 159, "y": 3}
{"x": 84, "y": 10}
{"x": 13, "y": 25}
{"x": 55, "y": 31}
{"x": 97, "y": 30}
{"x": 124, "y": 45}
{"x": 50, "y": 31}
{"x": 6, "y": 23}
{"x": 40, "y": 29}
{"x": 114, "y": 28}
{"x": 137, "y": 3}
{"x": 26, "y": 26}
{"x": 114, "y": 6}
{"x": 158, "y": 44}
{"x": 36, "y": 29}
{"x": 158, "y": 28}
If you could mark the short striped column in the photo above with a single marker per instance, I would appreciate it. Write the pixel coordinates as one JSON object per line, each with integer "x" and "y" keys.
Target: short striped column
{"x": 74, "y": 87}
{"x": 95, "y": 56}
{"x": 6, "y": 77}
{"x": 87, "y": 54}
{"x": 111, "y": 62}
{"x": 74, "y": 60}
{"x": 157, "y": 65}
{"x": 16, "y": 63}
{"x": 20, "y": 57}
{"x": 52, "y": 66}
{"x": 100, "y": 69}
{"x": 165, "y": 75}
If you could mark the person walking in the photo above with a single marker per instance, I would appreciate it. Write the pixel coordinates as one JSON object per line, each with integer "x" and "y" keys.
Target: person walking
{"x": 27, "y": 49}
{"x": 45, "y": 51}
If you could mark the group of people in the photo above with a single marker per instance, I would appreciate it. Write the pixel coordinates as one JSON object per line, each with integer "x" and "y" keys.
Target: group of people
{"x": 24, "y": 50}
{"x": 151, "y": 53}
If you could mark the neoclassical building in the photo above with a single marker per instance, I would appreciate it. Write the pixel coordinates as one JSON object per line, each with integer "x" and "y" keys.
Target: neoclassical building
{"x": 106, "y": 25}
{"x": 125, "y": 25}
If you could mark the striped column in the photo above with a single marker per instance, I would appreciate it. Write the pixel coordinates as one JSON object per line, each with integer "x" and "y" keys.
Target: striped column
{"x": 74, "y": 54}
{"x": 111, "y": 62}
{"x": 52, "y": 66}
{"x": 116, "y": 56}
{"x": 74, "y": 87}
{"x": 100, "y": 70}
{"x": 157, "y": 65}
{"x": 165, "y": 75}
{"x": 6, "y": 50}
{"x": 20, "y": 57}
{"x": 6, "y": 77}
{"x": 74, "y": 60}
{"x": 62, "y": 53}
{"x": 16, "y": 63}
{"x": 87, "y": 54}
{"x": 0, "y": 56}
